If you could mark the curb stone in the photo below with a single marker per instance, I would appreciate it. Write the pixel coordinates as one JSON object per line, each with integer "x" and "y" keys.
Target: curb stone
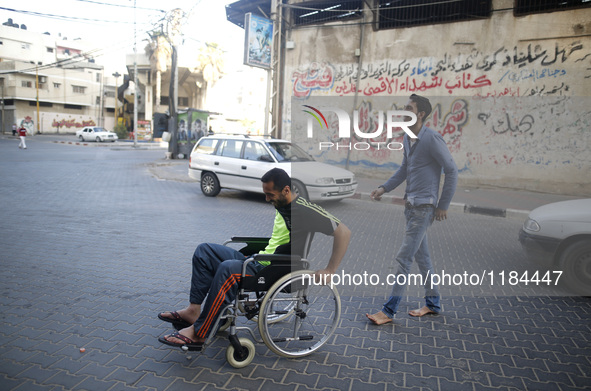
{"x": 456, "y": 207}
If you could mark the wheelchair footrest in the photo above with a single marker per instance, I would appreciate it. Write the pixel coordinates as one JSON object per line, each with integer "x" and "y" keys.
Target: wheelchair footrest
{"x": 300, "y": 338}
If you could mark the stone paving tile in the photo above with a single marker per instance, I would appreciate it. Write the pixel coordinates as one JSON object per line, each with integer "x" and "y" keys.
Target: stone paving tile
{"x": 66, "y": 289}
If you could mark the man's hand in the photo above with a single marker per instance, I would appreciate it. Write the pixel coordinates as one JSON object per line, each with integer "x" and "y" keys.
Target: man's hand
{"x": 377, "y": 194}
{"x": 440, "y": 214}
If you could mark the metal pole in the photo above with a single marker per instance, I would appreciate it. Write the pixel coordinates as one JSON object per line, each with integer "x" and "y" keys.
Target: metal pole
{"x": 3, "y": 114}
{"x": 37, "y": 88}
{"x": 116, "y": 74}
{"x": 136, "y": 89}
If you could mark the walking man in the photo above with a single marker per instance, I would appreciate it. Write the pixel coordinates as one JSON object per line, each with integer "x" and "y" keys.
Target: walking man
{"x": 424, "y": 158}
{"x": 22, "y": 133}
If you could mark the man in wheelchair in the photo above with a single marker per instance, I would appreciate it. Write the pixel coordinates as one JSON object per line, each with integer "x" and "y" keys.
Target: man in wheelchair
{"x": 217, "y": 269}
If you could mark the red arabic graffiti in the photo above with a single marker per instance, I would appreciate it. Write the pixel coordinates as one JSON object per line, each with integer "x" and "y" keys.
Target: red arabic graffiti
{"x": 71, "y": 123}
{"x": 452, "y": 123}
{"x": 389, "y": 86}
{"x": 319, "y": 76}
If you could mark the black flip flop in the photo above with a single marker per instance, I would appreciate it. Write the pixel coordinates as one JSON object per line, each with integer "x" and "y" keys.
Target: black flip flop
{"x": 178, "y": 322}
{"x": 188, "y": 342}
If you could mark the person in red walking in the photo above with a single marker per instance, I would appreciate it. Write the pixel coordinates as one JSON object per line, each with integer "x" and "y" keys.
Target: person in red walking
{"x": 22, "y": 133}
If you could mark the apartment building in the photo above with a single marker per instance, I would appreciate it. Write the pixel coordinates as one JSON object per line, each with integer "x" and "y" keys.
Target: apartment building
{"x": 51, "y": 84}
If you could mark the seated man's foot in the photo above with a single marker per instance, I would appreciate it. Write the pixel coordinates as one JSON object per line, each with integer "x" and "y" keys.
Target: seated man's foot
{"x": 379, "y": 318}
{"x": 181, "y": 319}
{"x": 422, "y": 312}
{"x": 185, "y": 337}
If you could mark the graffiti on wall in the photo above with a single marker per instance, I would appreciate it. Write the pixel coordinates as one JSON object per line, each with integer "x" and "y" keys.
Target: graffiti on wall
{"x": 316, "y": 77}
{"x": 27, "y": 123}
{"x": 541, "y": 131}
{"x": 503, "y": 70}
{"x": 71, "y": 123}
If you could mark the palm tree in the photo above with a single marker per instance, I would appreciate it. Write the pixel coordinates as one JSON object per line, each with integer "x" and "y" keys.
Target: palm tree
{"x": 159, "y": 51}
{"x": 211, "y": 62}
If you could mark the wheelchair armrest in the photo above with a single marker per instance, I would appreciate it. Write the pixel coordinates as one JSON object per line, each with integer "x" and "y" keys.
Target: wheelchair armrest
{"x": 279, "y": 258}
{"x": 253, "y": 244}
{"x": 248, "y": 239}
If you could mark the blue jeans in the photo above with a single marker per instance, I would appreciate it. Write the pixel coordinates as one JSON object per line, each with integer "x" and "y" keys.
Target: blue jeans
{"x": 414, "y": 246}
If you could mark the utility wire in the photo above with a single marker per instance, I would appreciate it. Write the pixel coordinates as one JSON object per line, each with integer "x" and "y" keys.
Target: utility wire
{"x": 62, "y": 17}
{"x": 121, "y": 5}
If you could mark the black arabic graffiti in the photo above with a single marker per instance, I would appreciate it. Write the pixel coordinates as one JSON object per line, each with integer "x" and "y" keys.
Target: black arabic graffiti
{"x": 460, "y": 63}
{"x": 504, "y": 126}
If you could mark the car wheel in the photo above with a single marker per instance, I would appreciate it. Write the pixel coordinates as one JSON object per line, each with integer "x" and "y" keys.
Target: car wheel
{"x": 299, "y": 189}
{"x": 98, "y": 139}
{"x": 575, "y": 263}
{"x": 210, "y": 186}
{"x": 81, "y": 138}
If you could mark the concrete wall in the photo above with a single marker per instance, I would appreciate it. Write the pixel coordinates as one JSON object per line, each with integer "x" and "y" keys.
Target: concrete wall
{"x": 510, "y": 95}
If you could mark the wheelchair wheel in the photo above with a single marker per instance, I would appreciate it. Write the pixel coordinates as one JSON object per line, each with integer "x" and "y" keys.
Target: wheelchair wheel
{"x": 314, "y": 316}
{"x": 238, "y": 360}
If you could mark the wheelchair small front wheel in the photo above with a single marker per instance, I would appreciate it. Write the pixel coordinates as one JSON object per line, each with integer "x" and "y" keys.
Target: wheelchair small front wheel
{"x": 240, "y": 359}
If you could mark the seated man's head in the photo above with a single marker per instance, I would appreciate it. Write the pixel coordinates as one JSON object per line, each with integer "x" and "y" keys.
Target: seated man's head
{"x": 277, "y": 187}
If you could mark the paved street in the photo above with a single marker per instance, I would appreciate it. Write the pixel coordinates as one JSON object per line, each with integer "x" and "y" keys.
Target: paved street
{"x": 95, "y": 241}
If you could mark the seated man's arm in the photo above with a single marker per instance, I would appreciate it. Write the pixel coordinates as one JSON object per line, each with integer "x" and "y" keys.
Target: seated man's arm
{"x": 342, "y": 236}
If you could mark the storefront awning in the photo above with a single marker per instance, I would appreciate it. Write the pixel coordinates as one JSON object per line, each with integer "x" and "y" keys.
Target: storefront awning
{"x": 235, "y": 12}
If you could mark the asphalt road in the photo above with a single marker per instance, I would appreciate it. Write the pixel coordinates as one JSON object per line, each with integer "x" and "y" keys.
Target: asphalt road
{"x": 94, "y": 243}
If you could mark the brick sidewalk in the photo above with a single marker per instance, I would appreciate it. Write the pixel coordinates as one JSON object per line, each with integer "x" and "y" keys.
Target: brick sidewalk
{"x": 94, "y": 245}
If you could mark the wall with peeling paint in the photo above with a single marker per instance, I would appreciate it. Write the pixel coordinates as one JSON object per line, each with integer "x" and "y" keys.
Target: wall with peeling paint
{"x": 511, "y": 96}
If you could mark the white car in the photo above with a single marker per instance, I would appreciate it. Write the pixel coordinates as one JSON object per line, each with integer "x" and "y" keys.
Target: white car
{"x": 95, "y": 133}
{"x": 239, "y": 162}
{"x": 558, "y": 235}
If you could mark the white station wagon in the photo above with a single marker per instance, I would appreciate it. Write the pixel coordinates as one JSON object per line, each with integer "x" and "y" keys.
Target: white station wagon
{"x": 239, "y": 162}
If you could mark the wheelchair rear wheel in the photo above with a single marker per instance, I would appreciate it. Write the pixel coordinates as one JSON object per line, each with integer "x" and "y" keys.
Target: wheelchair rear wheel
{"x": 312, "y": 319}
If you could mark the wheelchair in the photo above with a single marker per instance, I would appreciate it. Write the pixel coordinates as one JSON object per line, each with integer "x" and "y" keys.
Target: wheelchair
{"x": 294, "y": 315}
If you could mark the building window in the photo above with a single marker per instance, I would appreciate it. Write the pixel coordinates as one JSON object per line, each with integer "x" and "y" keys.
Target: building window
{"x": 49, "y": 50}
{"x": 41, "y": 104}
{"x": 110, "y": 94}
{"x": 75, "y": 107}
{"x": 25, "y": 46}
{"x": 183, "y": 101}
{"x": 164, "y": 101}
{"x": 26, "y": 84}
{"x": 78, "y": 89}
{"x": 408, "y": 13}
{"x": 326, "y": 11}
{"x": 57, "y": 85}
{"x": 525, "y": 7}
{"x": 98, "y": 77}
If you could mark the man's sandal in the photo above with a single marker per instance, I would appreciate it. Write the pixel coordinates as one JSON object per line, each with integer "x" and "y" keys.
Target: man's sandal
{"x": 188, "y": 342}
{"x": 177, "y": 322}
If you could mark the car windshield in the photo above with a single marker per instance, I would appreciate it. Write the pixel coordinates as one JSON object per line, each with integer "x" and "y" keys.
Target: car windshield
{"x": 286, "y": 152}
